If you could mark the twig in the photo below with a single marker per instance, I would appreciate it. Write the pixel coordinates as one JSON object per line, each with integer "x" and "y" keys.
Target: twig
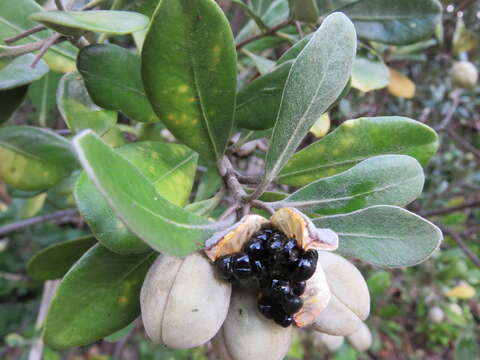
{"x": 463, "y": 245}
{"x": 263, "y": 205}
{"x": 472, "y": 204}
{"x": 462, "y": 143}
{"x": 21, "y": 49}
{"x": 62, "y": 214}
{"x": 24, "y": 34}
{"x": 271, "y": 31}
{"x": 60, "y": 5}
{"x": 455, "y": 96}
{"x": 229, "y": 211}
{"x": 46, "y": 45}
{"x": 49, "y": 289}
{"x": 299, "y": 29}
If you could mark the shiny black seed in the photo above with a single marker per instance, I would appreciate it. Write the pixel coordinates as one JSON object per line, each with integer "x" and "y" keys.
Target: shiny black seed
{"x": 291, "y": 252}
{"x": 254, "y": 249}
{"x": 291, "y": 303}
{"x": 265, "y": 305}
{"x": 224, "y": 267}
{"x": 305, "y": 267}
{"x": 275, "y": 287}
{"x": 262, "y": 236}
{"x": 241, "y": 266}
{"x": 298, "y": 288}
{"x": 259, "y": 268}
{"x": 280, "y": 317}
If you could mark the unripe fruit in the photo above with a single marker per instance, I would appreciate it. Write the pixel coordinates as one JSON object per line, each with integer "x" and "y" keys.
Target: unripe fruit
{"x": 464, "y": 74}
{"x": 183, "y": 303}
{"x": 350, "y": 300}
{"x": 436, "y": 314}
{"x": 246, "y": 334}
{"x": 361, "y": 339}
{"x": 329, "y": 342}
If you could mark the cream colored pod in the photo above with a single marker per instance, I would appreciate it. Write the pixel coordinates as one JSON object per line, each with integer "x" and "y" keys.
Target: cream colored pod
{"x": 331, "y": 343}
{"x": 361, "y": 339}
{"x": 183, "y": 304}
{"x": 247, "y": 335}
{"x": 464, "y": 74}
{"x": 349, "y": 303}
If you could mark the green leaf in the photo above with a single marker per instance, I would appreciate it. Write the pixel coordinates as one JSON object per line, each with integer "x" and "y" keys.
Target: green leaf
{"x": 316, "y": 79}
{"x": 77, "y": 108}
{"x": 98, "y": 296}
{"x": 194, "y": 94}
{"x": 381, "y": 180}
{"x": 10, "y": 100}
{"x": 161, "y": 224}
{"x": 112, "y": 77}
{"x": 14, "y": 20}
{"x": 19, "y": 72}
{"x": 356, "y": 140}
{"x": 394, "y": 22}
{"x": 263, "y": 64}
{"x": 384, "y": 235}
{"x": 209, "y": 184}
{"x": 258, "y": 102}
{"x": 42, "y": 94}
{"x": 466, "y": 347}
{"x": 251, "y": 13}
{"x": 368, "y": 75}
{"x": 33, "y": 158}
{"x": 74, "y": 23}
{"x": 169, "y": 168}
{"x": 54, "y": 261}
{"x": 304, "y": 10}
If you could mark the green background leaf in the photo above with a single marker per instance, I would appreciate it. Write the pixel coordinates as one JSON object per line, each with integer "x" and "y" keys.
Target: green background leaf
{"x": 112, "y": 77}
{"x": 356, "y": 140}
{"x": 384, "y": 235}
{"x": 19, "y": 72}
{"x": 194, "y": 93}
{"x": 381, "y": 180}
{"x": 98, "y": 296}
{"x": 170, "y": 169}
{"x": 54, "y": 261}
{"x": 77, "y": 108}
{"x": 163, "y": 225}
{"x": 369, "y": 74}
{"x": 316, "y": 79}
{"x": 34, "y": 159}
{"x": 43, "y": 95}
{"x": 74, "y": 23}
{"x": 390, "y": 21}
{"x": 10, "y": 100}
{"x": 14, "y": 20}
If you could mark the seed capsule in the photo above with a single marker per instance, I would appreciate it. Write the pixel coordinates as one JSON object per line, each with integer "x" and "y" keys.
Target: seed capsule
{"x": 183, "y": 304}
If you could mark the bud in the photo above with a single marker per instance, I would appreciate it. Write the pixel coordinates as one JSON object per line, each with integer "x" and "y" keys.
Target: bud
{"x": 183, "y": 303}
{"x": 436, "y": 314}
{"x": 464, "y": 74}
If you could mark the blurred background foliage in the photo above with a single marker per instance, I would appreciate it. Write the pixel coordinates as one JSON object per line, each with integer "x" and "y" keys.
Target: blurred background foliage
{"x": 430, "y": 311}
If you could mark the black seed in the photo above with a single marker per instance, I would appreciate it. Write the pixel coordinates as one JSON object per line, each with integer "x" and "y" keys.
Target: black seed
{"x": 259, "y": 268}
{"x": 291, "y": 252}
{"x": 261, "y": 236}
{"x": 275, "y": 287}
{"x": 241, "y": 266}
{"x": 280, "y": 317}
{"x": 275, "y": 245}
{"x": 291, "y": 303}
{"x": 265, "y": 305}
{"x": 224, "y": 267}
{"x": 298, "y": 288}
{"x": 254, "y": 249}
{"x": 305, "y": 267}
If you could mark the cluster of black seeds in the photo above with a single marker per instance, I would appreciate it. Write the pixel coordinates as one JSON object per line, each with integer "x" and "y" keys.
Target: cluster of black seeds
{"x": 281, "y": 268}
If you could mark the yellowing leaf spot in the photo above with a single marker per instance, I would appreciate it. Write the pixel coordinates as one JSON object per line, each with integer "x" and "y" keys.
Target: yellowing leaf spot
{"x": 151, "y": 169}
{"x": 122, "y": 300}
{"x": 400, "y": 85}
{"x": 182, "y": 89}
{"x": 46, "y": 173}
{"x": 192, "y": 99}
{"x": 171, "y": 117}
{"x": 349, "y": 123}
{"x": 155, "y": 155}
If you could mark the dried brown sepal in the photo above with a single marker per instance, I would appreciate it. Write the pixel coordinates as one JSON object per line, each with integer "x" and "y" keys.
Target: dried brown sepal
{"x": 298, "y": 226}
{"x": 233, "y": 239}
{"x": 315, "y": 298}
